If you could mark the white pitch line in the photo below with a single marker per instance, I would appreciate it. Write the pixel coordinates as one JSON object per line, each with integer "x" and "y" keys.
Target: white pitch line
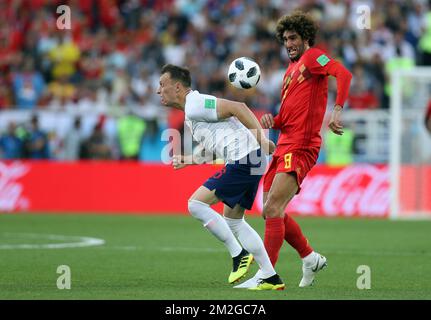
{"x": 126, "y": 248}
{"x": 77, "y": 241}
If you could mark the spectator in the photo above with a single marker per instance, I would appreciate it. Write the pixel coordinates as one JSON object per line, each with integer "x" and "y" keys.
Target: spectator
{"x": 152, "y": 144}
{"x": 91, "y": 69}
{"x": 399, "y": 55}
{"x": 425, "y": 39}
{"x": 130, "y": 129}
{"x": 96, "y": 147}
{"x": 10, "y": 144}
{"x": 361, "y": 95}
{"x": 28, "y": 86}
{"x": 73, "y": 141}
{"x": 339, "y": 149}
{"x": 64, "y": 56}
{"x": 61, "y": 91}
{"x": 36, "y": 143}
{"x": 5, "y": 95}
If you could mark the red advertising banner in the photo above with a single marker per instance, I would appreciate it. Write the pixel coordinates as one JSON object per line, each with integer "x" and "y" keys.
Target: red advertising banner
{"x": 124, "y": 187}
{"x": 133, "y": 187}
{"x": 415, "y": 190}
{"x": 359, "y": 190}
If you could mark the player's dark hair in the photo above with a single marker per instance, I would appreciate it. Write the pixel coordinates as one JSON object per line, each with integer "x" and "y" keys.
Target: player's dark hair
{"x": 299, "y": 22}
{"x": 178, "y": 73}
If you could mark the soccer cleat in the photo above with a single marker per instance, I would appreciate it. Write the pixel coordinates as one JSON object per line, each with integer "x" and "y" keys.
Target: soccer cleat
{"x": 272, "y": 283}
{"x": 250, "y": 283}
{"x": 309, "y": 272}
{"x": 241, "y": 265}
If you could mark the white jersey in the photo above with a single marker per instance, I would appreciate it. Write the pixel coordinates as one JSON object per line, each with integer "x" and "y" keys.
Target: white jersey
{"x": 228, "y": 138}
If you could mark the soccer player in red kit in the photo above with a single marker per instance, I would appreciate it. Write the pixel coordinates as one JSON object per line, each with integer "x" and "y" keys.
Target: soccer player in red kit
{"x": 303, "y": 105}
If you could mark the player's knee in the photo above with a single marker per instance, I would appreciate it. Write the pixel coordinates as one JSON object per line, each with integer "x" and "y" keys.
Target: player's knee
{"x": 270, "y": 210}
{"x": 195, "y": 207}
{"x": 200, "y": 211}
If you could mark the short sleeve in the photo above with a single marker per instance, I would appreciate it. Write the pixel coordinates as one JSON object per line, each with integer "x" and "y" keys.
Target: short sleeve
{"x": 317, "y": 62}
{"x": 201, "y": 107}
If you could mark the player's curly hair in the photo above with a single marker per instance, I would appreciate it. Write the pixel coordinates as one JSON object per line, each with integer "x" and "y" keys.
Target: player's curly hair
{"x": 299, "y": 22}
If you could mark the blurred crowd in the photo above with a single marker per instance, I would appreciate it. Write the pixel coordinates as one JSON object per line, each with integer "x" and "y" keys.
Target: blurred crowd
{"x": 109, "y": 61}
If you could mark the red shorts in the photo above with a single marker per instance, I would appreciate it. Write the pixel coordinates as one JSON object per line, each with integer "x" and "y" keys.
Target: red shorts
{"x": 299, "y": 161}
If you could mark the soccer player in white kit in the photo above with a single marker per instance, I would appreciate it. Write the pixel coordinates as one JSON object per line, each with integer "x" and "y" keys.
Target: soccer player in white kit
{"x": 229, "y": 130}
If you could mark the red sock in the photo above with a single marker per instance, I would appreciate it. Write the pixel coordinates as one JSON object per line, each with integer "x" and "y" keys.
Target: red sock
{"x": 293, "y": 235}
{"x": 274, "y": 236}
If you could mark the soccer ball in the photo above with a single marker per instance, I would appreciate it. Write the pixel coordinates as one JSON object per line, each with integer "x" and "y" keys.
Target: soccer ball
{"x": 244, "y": 73}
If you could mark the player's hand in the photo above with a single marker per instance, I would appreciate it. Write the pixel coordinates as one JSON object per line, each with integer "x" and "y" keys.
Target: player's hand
{"x": 267, "y": 146}
{"x": 267, "y": 121}
{"x": 334, "y": 123}
{"x": 271, "y": 147}
{"x": 178, "y": 162}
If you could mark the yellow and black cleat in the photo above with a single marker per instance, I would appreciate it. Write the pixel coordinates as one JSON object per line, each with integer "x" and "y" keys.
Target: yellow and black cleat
{"x": 241, "y": 265}
{"x": 272, "y": 283}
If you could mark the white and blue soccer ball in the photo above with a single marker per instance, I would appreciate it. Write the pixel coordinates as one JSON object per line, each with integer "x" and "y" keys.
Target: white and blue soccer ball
{"x": 244, "y": 73}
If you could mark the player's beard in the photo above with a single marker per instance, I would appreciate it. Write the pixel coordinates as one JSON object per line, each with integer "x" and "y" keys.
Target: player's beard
{"x": 299, "y": 52}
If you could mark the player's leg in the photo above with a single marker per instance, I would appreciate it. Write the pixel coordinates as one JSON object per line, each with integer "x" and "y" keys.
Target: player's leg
{"x": 312, "y": 262}
{"x": 265, "y": 197}
{"x": 268, "y": 178}
{"x": 252, "y": 242}
{"x": 279, "y": 226}
{"x": 199, "y": 207}
{"x": 240, "y": 264}
{"x": 249, "y": 238}
{"x": 293, "y": 234}
{"x": 301, "y": 162}
{"x": 283, "y": 188}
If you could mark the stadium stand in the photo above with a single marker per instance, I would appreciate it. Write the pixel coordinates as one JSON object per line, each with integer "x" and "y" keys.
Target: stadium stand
{"x": 108, "y": 64}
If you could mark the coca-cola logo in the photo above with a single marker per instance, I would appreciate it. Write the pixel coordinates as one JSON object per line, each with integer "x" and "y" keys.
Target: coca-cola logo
{"x": 11, "y": 191}
{"x": 360, "y": 190}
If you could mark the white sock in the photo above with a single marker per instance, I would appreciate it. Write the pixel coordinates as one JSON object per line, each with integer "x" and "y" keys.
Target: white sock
{"x": 216, "y": 225}
{"x": 309, "y": 260}
{"x": 252, "y": 242}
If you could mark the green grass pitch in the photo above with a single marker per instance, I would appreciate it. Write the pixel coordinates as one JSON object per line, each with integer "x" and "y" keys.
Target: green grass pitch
{"x": 174, "y": 257}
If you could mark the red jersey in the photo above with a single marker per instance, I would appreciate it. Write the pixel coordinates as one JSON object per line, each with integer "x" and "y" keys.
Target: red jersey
{"x": 304, "y": 96}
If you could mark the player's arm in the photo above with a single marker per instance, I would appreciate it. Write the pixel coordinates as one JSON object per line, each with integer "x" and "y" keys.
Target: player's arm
{"x": 228, "y": 108}
{"x": 182, "y": 161}
{"x": 320, "y": 64}
{"x": 343, "y": 77}
{"x": 268, "y": 121}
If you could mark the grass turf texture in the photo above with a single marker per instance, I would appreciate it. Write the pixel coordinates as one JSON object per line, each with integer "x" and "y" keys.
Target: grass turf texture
{"x": 174, "y": 257}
